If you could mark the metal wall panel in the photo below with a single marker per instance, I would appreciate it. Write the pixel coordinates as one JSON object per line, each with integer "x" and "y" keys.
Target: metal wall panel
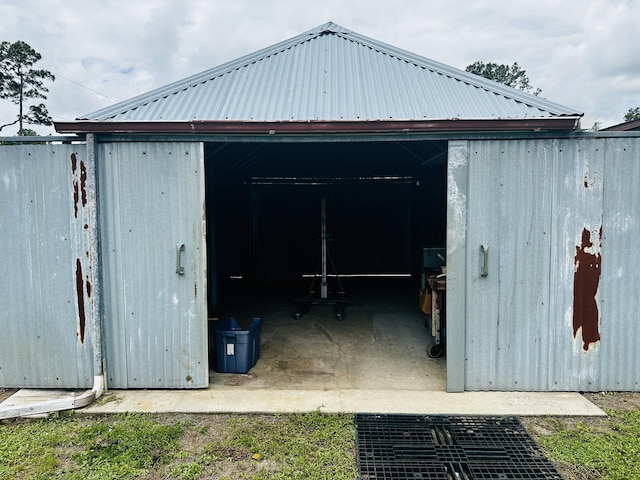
{"x": 151, "y": 201}
{"x": 578, "y": 196}
{"x": 619, "y": 301}
{"x": 558, "y": 308}
{"x": 46, "y": 315}
{"x": 509, "y": 213}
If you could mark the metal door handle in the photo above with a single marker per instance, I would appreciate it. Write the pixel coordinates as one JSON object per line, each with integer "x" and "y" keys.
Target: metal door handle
{"x": 485, "y": 260}
{"x": 179, "y": 267}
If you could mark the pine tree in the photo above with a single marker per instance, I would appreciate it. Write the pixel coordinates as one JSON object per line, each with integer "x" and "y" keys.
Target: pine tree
{"x": 20, "y": 82}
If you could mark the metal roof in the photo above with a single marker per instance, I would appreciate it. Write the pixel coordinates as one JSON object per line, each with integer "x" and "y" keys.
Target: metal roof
{"x": 625, "y": 126}
{"x": 331, "y": 74}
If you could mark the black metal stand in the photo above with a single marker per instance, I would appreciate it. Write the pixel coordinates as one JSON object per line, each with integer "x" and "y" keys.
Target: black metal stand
{"x": 321, "y": 271}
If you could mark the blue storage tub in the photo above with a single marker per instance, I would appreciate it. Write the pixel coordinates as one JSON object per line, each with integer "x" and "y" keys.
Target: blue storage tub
{"x": 237, "y": 350}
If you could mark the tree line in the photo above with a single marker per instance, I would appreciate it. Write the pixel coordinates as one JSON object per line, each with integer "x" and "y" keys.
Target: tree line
{"x": 516, "y": 77}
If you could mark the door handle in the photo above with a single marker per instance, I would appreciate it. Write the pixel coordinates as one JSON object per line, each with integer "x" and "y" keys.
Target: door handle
{"x": 179, "y": 267}
{"x": 485, "y": 260}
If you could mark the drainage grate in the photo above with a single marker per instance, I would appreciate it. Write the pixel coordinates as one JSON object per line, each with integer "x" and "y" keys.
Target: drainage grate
{"x": 410, "y": 447}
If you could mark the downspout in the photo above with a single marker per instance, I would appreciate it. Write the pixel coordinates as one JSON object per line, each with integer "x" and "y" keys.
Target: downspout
{"x": 95, "y": 305}
{"x": 99, "y": 384}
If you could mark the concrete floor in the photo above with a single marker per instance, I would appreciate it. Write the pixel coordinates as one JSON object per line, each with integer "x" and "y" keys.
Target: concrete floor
{"x": 379, "y": 345}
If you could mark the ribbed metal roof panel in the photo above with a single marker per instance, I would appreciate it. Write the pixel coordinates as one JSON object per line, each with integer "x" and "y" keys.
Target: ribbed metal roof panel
{"x": 330, "y": 73}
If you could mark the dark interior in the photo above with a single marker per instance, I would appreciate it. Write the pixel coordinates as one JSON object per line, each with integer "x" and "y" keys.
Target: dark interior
{"x": 384, "y": 202}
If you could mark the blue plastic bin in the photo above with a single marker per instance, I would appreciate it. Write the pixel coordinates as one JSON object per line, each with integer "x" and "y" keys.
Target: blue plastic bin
{"x": 237, "y": 350}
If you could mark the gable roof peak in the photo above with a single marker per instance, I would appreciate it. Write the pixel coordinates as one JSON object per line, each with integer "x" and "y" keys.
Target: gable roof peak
{"x": 328, "y": 27}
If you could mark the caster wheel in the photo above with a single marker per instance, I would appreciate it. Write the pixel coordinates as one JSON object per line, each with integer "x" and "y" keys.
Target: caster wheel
{"x": 297, "y": 316}
{"x": 339, "y": 317}
{"x": 434, "y": 350}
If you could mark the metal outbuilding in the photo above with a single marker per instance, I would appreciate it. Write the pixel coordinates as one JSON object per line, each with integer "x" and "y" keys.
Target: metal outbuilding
{"x": 538, "y": 218}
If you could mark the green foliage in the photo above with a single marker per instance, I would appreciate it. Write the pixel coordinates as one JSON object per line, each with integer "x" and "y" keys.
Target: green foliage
{"x": 632, "y": 114}
{"x": 511, "y": 76}
{"x": 614, "y": 452}
{"x": 186, "y": 471}
{"x": 20, "y": 82}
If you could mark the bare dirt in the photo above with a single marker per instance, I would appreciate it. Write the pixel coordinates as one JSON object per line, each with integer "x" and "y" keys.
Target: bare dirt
{"x": 6, "y": 393}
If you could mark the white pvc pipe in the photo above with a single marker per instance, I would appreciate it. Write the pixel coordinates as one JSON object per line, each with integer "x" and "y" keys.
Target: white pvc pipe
{"x": 58, "y": 404}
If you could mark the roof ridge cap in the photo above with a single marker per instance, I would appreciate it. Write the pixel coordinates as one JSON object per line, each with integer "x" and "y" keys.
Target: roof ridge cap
{"x": 327, "y": 27}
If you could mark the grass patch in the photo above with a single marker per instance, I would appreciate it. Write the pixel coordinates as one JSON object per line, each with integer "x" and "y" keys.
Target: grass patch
{"x": 117, "y": 447}
{"x": 133, "y": 446}
{"x": 125, "y": 448}
{"x": 29, "y": 450}
{"x": 610, "y": 450}
{"x": 311, "y": 445}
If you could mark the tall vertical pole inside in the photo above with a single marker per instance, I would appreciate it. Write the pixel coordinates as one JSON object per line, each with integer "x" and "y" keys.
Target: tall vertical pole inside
{"x": 323, "y": 237}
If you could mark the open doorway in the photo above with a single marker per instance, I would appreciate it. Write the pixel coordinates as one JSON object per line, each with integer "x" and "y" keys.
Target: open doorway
{"x": 383, "y": 203}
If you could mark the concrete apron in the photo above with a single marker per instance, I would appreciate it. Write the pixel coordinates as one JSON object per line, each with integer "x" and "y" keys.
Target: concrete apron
{"x": 350, "y": 401}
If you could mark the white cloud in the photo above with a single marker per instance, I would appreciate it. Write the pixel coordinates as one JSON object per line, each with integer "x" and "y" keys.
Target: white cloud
{"x": 581, "y": 54}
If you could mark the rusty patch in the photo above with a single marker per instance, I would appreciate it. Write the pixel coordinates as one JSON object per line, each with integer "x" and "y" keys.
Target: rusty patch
{"x": 79, "y": 187}
{"x": 76, "y": 187}
{"x": 586, "y": 279}
{"x": 76, "y": 196}
{"x": 83, "y": 182}
{"x": 80, "y": 295}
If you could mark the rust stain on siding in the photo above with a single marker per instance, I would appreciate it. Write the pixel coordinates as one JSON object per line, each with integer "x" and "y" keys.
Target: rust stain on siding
{"x": 79, "y": 185}
{"x": 76, "y": 187}
{"x": 83, "y": 182}
{"x": 80, "y": 295}
{"x": 586, "y": 279}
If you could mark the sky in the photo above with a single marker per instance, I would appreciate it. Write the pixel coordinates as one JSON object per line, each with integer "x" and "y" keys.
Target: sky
{"x": 584, "y": 54}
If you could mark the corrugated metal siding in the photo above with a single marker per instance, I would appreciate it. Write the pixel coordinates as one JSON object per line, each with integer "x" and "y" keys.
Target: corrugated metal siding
{"x": 45, "y": 341}
{"x": 155, "y": 326}
{"x": 330, "y": 73}
{"x": 578, "y": 203}
{"x": 619, "y": 301}
{"x": 531, "y": 201}
{"x": 509, "y": 203}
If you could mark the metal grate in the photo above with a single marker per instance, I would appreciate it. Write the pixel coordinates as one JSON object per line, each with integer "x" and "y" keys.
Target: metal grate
{"x": 410, "y": 447}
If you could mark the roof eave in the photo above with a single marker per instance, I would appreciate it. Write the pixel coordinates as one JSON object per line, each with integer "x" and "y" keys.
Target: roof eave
{"x": 322, "y": 127}
{"x": 624, "y": 127}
